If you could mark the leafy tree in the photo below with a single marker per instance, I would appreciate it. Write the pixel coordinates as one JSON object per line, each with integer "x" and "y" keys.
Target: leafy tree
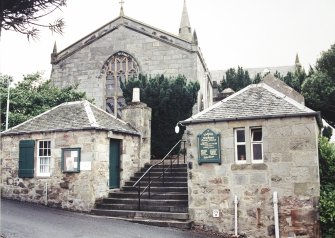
{"x": 327, "y": 195}
{"x": 23, "y": 16}
{"x": 319, "y": 88}
{"x": 235, "y": 79}
{"x": 171, "y": 100}
{"x": 326, "y": 63}
{"x": 33, "y": 96}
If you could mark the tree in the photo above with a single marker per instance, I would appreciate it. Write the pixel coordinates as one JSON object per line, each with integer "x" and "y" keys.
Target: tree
{"x": 23, "y": 16}
{"x": 319, "y": 88}
{"x": 235, "y": 79}
{"x": 33, "y": 96}
{"x": 171, "y": 100}
{"x": 327, "y": 194}
{"x": 327, "y": 132}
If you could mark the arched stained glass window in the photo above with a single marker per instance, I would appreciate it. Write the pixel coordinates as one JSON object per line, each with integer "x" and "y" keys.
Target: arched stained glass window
{"x": 118, "y": 69}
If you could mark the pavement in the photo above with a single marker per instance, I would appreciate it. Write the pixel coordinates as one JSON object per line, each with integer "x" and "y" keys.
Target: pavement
{"x": 26, "y": 220}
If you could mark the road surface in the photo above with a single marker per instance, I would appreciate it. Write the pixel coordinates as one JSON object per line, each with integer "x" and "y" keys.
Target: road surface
{"x": 25, "y": 220}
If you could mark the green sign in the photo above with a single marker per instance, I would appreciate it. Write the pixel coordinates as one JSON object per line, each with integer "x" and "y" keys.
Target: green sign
{"x": 209, "y": 147}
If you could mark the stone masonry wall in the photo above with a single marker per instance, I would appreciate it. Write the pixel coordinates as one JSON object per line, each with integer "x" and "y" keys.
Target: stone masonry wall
{"x": 74, "y": 191}
{"x": 290, "y": 167}
{"x": 154, "y": 57}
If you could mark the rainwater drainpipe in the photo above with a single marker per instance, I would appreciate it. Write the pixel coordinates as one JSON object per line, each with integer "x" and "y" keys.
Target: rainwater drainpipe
{"x": 46, "y": 194}
{"x": 275, "y": 209}
{"x": 235, "y": 203}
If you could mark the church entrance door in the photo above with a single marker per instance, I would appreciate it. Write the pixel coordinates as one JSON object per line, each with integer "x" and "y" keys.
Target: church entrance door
{"x": 114, "y": 163}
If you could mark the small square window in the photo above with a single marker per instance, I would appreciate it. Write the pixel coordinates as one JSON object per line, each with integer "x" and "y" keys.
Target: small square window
{"x": 71, "y": 160}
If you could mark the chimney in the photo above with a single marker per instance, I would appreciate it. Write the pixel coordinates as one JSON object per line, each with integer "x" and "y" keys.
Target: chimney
{"x": 138, "y": 114}
{"x": 136, "y": 95}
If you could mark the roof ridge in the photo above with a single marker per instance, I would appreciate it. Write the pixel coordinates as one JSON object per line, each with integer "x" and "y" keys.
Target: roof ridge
{"x": 218, "y": 103}
{"x": 285, "y": 97}
{"x": 110, "y": 115}
{"x": 90, "y": 114}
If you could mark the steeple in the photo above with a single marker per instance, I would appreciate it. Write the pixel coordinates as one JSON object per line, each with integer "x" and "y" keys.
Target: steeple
{"x": 185, "y": 26}
{"x": 54, "y": 51}
{"x": 54, "y": 54}
{"x": 297, "y": 62}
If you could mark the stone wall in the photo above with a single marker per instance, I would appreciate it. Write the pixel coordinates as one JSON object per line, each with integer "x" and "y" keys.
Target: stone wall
{"x": 290, "y": 167}
{"x": 155, "y": 52}
{"x": 74, "y": 191}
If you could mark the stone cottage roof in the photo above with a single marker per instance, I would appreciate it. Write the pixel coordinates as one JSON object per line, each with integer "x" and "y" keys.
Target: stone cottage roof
{"x": 257, "y": 101}
{"x": 79, "y": 115}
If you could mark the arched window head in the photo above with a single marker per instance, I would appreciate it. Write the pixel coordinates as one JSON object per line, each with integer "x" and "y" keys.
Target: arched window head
{"x": 119, "y": 68}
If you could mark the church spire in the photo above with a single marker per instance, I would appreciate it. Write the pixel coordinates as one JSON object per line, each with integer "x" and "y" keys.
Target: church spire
{"x": 297, "y": 62}
{"x": 185, "y": 26}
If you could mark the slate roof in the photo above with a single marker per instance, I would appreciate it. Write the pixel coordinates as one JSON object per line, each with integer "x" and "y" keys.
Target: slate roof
{"x": 79, "y": 115}
{"x": 253, "y": 102}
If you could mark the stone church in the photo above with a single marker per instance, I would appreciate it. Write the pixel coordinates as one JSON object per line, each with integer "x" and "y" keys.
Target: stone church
{"x": 123, "y": 48}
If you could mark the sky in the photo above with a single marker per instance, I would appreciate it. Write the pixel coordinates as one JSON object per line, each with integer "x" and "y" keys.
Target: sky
{"x": 231, "y": 33}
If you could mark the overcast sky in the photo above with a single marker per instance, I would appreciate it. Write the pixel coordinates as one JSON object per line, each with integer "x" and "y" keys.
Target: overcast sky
{"x": 249, "y": 33}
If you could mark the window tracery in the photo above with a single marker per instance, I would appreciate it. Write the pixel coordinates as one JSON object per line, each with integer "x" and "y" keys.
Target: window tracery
{"x": 118, "y": 69}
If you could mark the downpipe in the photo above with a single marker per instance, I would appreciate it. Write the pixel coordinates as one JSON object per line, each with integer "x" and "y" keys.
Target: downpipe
{"x": 275, "y": 209}
{"x": 235, "y": 203}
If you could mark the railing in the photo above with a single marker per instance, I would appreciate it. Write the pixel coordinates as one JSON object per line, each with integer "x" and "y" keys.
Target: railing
{"x": 162, "y": 175}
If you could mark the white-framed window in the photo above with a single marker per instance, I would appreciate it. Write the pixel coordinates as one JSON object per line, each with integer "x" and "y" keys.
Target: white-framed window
{"x": 256, "y": 145}
{"x": 240, "y": 146}
{"x": 43, "y": 158}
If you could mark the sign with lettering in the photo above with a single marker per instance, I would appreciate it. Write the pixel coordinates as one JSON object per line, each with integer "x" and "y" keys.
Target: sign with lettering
{"x": 209, "y": 147}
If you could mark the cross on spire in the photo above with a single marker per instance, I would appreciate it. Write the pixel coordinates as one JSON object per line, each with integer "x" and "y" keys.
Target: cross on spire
{"x": 121, "y": 9}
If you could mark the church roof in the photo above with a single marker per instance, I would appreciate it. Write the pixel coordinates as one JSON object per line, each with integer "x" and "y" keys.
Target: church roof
{"x": 130, "y": 24}
{"x": 79, "y": 115}
{"x": 257, "y": 101}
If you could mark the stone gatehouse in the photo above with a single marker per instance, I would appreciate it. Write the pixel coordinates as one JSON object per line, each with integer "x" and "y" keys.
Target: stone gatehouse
{"x": 250, "y": 145}
{"x": 73, "y": 154}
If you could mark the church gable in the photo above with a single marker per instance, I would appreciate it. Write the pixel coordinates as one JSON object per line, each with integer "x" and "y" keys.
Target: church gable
{"x": 122, "y": 49}
{"x": 130, "y": 24}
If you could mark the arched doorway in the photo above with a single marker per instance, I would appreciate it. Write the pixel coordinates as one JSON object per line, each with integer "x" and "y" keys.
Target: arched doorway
{"x": 119, "y": 68}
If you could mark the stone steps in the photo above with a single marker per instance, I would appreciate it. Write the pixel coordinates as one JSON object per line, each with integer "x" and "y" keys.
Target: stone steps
{"x": 168, "y": 205}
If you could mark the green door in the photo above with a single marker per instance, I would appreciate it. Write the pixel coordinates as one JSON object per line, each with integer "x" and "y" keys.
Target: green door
{"x": 114, "y": 163}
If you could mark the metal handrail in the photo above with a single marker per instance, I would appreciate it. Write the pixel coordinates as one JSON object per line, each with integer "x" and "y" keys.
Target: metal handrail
{"x": 138, "y": 182}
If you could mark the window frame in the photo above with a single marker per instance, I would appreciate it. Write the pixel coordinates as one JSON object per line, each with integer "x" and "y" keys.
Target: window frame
{"x": 252, "y": 143}
{"x": 39, "y": 157}
{"x": 77, "y": 170}
{"x": 240, "y": 143}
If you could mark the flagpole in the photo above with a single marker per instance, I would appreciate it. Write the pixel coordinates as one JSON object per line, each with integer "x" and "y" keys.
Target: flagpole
{"x": 7, "y": 111}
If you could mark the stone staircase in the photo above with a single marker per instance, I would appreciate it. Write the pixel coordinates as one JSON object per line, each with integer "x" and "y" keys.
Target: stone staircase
{"x": 167, "y": 206}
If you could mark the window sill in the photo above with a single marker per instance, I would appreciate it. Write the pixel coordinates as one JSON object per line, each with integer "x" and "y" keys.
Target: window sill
{"x": 258, "y": 166}
{"x": 41, "y": 176}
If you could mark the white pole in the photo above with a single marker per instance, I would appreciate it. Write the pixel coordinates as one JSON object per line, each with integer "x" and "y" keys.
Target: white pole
{"x": 275, "y": 208}
{"x": 7, "y": 111}
{"x": 235, "y": 202}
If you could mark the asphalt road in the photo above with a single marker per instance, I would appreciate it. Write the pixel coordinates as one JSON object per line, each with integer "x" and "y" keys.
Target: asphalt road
{"x": 24, "y": 220}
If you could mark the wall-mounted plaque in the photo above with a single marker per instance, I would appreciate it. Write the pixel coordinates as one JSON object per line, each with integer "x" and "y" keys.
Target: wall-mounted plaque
{"x": 209, "y": 147}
